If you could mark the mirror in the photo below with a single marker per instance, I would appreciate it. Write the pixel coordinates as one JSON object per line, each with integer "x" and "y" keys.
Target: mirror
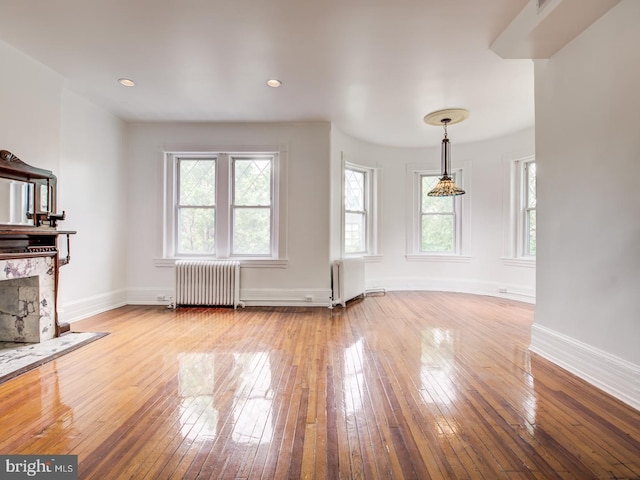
{"x": 16, "y": 202}
{"x": 27, "y": 194}
{"x": 44, "y": 198}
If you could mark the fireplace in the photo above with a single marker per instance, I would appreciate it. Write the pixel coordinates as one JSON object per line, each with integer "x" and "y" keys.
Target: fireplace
{"x": 30, "y": 257}
{"x": 27, "y": 299}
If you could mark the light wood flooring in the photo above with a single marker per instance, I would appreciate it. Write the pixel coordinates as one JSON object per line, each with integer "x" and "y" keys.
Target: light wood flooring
{"x": 403, "y": 385}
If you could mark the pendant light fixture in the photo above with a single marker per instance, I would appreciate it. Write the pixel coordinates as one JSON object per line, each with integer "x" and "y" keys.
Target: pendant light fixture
{"x": 446, "y": 187}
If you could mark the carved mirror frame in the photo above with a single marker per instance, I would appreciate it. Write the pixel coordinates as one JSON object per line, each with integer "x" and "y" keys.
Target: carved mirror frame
{"x": 42, "y": 191}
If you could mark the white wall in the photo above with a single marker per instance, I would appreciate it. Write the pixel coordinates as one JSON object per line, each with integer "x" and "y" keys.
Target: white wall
{"x": 307, "y": 148}
{"x": 486, "y": 170}
{"x": 30, "y": 109}
{"x": 588, "y": 161}
{"x": 92, "y": 186}
{"x": 49, "y": 127}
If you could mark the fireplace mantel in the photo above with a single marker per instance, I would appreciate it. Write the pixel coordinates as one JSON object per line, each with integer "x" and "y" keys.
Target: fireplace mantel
{"x": 19, "y": 248}
{"x": 18, "y": 242}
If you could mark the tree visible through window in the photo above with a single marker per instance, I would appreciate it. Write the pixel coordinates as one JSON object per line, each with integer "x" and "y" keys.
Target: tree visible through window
{"x": 355, "y": 214}
{"x": 530, "y": 208}
{"x": 252, "y": 194}
{"x": 196, "y": 206}
{"x": 437, "y": 219}
{"x": 224, "y": 205}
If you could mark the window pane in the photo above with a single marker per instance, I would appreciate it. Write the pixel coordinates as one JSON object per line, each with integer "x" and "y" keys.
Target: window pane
{"x": 252, "y": 231}
{"x": 354, "y": 190}
{"x": 354, "y": 233}
{"x": 197, "y": 182}
{"x": 531, "y": 232}
{"x": 252, "y": 181}
{"x": 434, "y": 204}
{"x": 196, "y": 228}
{"x": 531, "y": 185}
{"x": 436, "y": 233}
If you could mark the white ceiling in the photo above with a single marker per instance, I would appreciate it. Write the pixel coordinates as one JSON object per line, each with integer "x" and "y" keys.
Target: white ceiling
{"x": 373, "y": 67}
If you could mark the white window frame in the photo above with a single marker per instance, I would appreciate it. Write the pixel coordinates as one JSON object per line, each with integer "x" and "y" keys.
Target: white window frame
{"x": 224, "y": 197}
{"x": 177, "y": 207}
{"x": 515, "y": 217}
{"x": 370, "y": 210}
{"x": 232, "y": 207}
{"x": 525, "y": 210}
{"x": 414, "y": 206}
{"x": 455, "y": 213}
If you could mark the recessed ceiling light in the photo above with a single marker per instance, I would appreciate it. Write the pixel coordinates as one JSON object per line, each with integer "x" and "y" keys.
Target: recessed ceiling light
{"x": 126, "y": 82}
{"x": 274, "y": 83}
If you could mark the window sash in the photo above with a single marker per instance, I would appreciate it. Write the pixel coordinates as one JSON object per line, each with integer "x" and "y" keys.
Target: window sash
{"x": 529, "y": 201}
{"x": 202, "y": 240}
{"x": 241, "y": 242}
{"x": 438, "y": 228}
{"x": 530, "y": 184}
{"x": 238, "y": 194}
{"x": 202, "y": 231}
{"x": 355, "y": 198}
{"x": 530, "y": 232}
{"x": 182, "y": 177}
{"x": 355, "y": 232}
{"x": 435, "y": 226}
{"x": 253, "y": 218}
{"x": 356, "y": 225}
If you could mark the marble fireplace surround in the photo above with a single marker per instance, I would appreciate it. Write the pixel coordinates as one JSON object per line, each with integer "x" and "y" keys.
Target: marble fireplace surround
{"x": 27, "y": 300}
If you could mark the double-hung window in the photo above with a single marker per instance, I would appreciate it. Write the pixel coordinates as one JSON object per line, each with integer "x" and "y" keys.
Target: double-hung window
{"x": 528, "y": 221}
{"x": 439, "y": 224}
{"x": 359, "y": 210}
{"x": 355, "y": 212}
{"x": 435, "y": 225}
{"x": 196, "y": 205}
{"x": 519, "y": 212}
{"x": 222, "y": 205}
{"x": 252, "y": 205}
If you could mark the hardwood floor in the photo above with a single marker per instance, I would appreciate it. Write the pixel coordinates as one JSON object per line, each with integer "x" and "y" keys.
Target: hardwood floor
{"x": 406, "y": 385}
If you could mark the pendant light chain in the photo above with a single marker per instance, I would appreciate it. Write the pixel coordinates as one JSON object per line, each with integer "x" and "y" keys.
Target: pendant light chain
{"x": 446, "y": 187}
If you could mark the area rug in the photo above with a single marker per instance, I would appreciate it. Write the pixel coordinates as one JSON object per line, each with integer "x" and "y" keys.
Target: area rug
{"x": 18, "y": 358}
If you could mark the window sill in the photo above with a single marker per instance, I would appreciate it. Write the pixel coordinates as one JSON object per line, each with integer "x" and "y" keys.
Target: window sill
{"x": 519, "y": 262}
{"x": 438, "y": 258}
{"x": 367, "y": 258}
{"x": 245, "y": 263}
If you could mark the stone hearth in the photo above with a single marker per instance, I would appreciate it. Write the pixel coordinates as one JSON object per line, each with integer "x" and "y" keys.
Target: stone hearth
{"x": 27, "y": 299}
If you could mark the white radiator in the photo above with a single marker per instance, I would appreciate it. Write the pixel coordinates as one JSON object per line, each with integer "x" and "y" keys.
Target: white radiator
{"x": 347, "y": 278}
{"x": 207, "y": 282}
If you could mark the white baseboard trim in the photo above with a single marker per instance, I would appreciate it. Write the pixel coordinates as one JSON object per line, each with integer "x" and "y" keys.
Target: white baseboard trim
{"x": 251, "y": 297}
{"x": 492, "y": 289}
{"x": 614, "y": 375}
{"x": 150, "y": 296}
{"x": 281, "y": 297}
{"x": 77, "y": 310}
